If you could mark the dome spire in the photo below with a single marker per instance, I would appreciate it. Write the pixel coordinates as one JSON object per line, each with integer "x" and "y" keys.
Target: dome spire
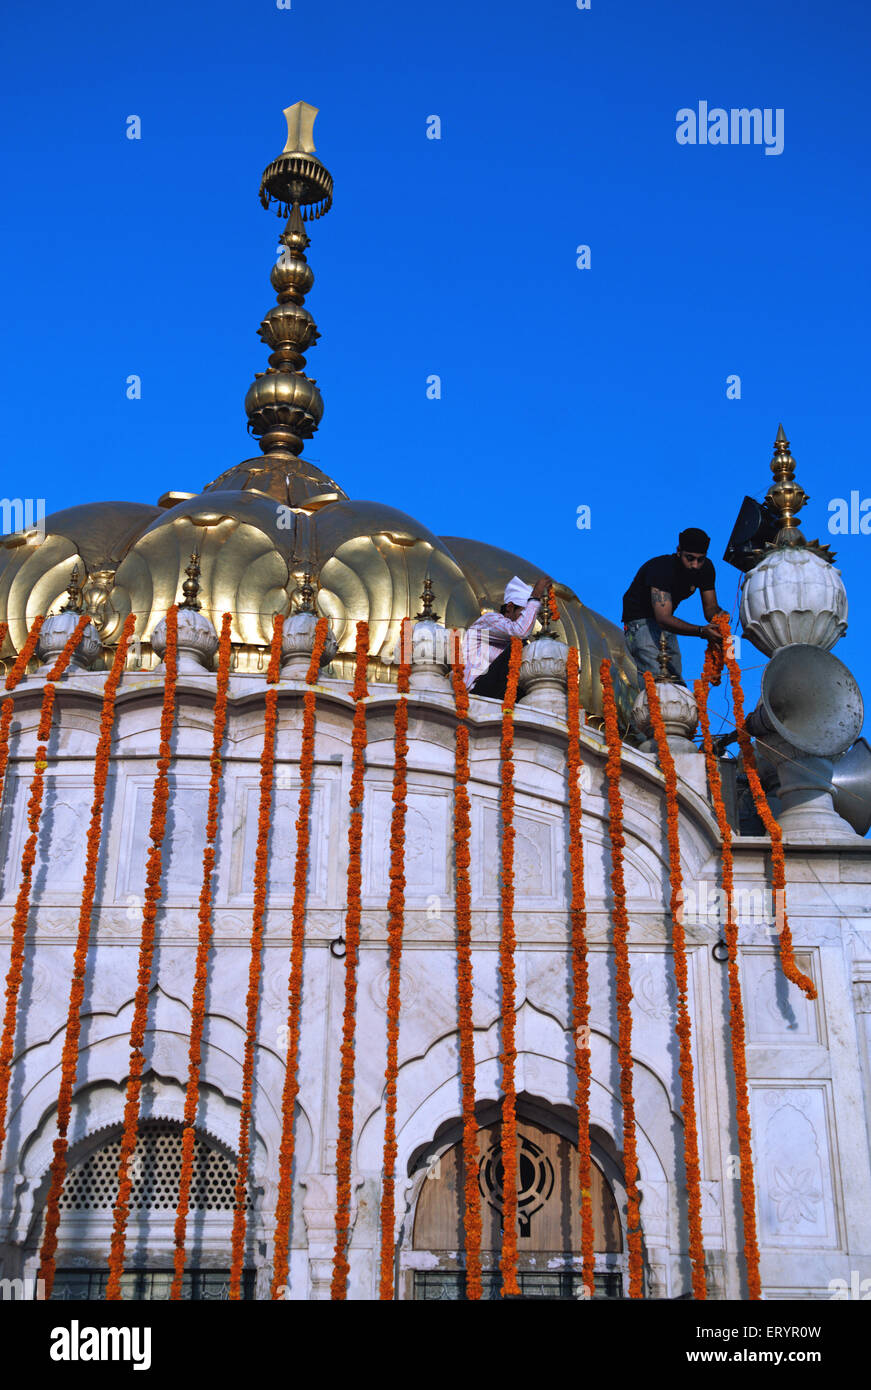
{"x": 787, "y": 497}
{"x": 283, "y": 405}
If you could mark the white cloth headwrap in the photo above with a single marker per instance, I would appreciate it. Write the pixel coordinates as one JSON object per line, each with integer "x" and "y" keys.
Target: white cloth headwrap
{"x": 517, "y": 592}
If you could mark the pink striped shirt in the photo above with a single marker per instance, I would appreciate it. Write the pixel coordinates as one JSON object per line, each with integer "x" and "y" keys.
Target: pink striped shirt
{"x": 489, "y": 635}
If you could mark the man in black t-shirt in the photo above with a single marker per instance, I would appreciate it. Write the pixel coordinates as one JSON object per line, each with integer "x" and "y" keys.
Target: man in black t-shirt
{"x": 655, "y": 592}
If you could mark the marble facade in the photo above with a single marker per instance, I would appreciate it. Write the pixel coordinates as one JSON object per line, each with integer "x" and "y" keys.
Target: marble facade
{"x": 809, "y": 1064}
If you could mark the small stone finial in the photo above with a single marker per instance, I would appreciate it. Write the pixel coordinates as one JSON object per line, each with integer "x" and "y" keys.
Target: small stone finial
{"x": 74, "y": 594}
{"x": 427, "y": 599}
{"x": 785, "y": 495}
{"x": 191, "y": 587}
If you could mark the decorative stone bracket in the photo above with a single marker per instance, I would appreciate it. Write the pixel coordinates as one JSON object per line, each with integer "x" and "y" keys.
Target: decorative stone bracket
{"x": 319, "y": 1212}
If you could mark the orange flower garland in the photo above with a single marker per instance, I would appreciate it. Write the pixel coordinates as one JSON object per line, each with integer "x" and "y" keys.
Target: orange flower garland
{"x": 683, "y": 1028}
{"x": 624, "y": 987}
{"x": 551, "y": 603}
{"x": 778, "y": 863}
{"x": 396, "y": 910}
{"x": 159, "y": 801}
{"x": 580, "y": 972}
{"x": 12, "y": 680}
{"x": 507, "y": 946}
{"x": 4, "y": 750}
{"x": 284, "y": 1201}
{"x": 711, "y": 675}
{"x": 28, "y": 858}
{"x": 69, "y": 1059}
{"x": 20, "y": 664}
{"x": 352, "y": 945}
{"x": 462, "y": 860}
{"x": 198, "y": 999}
{"x": 261, "y": 860}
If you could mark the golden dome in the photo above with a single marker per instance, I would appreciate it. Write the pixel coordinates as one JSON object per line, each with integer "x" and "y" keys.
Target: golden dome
{"x": 370, "y": 559}
{"x": 284, "y": 477}
{"x": 263, "y": 523}
{"x": 35, "y": 569}
{"x": 488, "y": 569}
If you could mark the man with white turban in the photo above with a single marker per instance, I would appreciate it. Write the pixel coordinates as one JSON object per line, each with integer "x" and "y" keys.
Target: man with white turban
{"x": 487, "y": 643}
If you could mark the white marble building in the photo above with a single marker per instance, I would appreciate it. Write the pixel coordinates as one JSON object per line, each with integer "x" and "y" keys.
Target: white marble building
{"x": 807, "y": 1063}
{"x": 259, "y": 530}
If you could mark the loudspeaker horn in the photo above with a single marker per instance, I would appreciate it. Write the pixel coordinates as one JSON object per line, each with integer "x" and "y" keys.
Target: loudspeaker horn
{"x": 810, "y": 699}
{"x": 851, "y": 783}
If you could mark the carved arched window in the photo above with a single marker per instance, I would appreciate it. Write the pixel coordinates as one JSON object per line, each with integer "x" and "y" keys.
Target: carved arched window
{"x": 86, "y": 1216}
{"x": 549, "y": 1225}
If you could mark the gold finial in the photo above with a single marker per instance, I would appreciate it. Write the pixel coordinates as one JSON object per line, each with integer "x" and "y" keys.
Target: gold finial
{"x": 785, "y": 495}
{"x": 300, "y": 128}
{"x": 191, "y": 587}
{"x": 283, "y": 405}
{"x": 306, "y": 604}
{"x": 427, "y": 598}
{"x": 74, "y": 599}
{"x": 297, "y": 176}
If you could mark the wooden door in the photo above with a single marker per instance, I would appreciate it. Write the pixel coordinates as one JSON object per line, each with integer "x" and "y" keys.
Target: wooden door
{"x": 549, "y": 1198}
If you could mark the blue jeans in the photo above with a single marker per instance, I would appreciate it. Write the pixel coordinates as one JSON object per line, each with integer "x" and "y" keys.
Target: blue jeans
{"x": 642, "y": 642}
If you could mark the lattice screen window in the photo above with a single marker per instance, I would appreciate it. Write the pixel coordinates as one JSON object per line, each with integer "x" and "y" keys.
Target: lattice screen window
{"x": 155, "y": 1170}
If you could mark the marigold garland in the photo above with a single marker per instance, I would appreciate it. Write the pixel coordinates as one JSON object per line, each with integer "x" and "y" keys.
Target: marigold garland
{"x": 778, "y": 863}
{"x": 4, "y": 628}
{"x": 683, "y": 1028}
{"x": 20, "y": 665}
{"x": 344, "y": 1146}
{"x": 551, "y": 603}
{"x": 580, "y": 972}
{"x": 198, "y": 997}
{"x": 711, "y": 676}
{"x": 28, "y": 858}
{"x": 396, "y": 911}
{"x": 157, "y": 831}
{"x": 284, "y": 1201}
{"x": 12, "y": 680}
{"x": 70, "y": 1054}
{"x": 4, "y": 728}
{"x": 462, "y": 859}
{"x": 252, "y": 1002}
{"x": 507, "y": 946}
{"x": 624, "y": 987}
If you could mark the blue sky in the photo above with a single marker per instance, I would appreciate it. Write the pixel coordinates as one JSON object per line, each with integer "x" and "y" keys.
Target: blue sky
{"x": 560, "y": 387}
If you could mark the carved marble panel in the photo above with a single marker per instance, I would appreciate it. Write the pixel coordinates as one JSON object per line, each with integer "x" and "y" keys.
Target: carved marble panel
{"x": 183, "y": 844}
{"x": 536, "y": 866}
{"x": 426, "y": 865}
{"x": 282, "y": 840}
{"x": 60, "y": 850}
{"x": 777, "y": 1011}
{"x": 643, "y": 879}
{"x": 794, "y": 1146}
